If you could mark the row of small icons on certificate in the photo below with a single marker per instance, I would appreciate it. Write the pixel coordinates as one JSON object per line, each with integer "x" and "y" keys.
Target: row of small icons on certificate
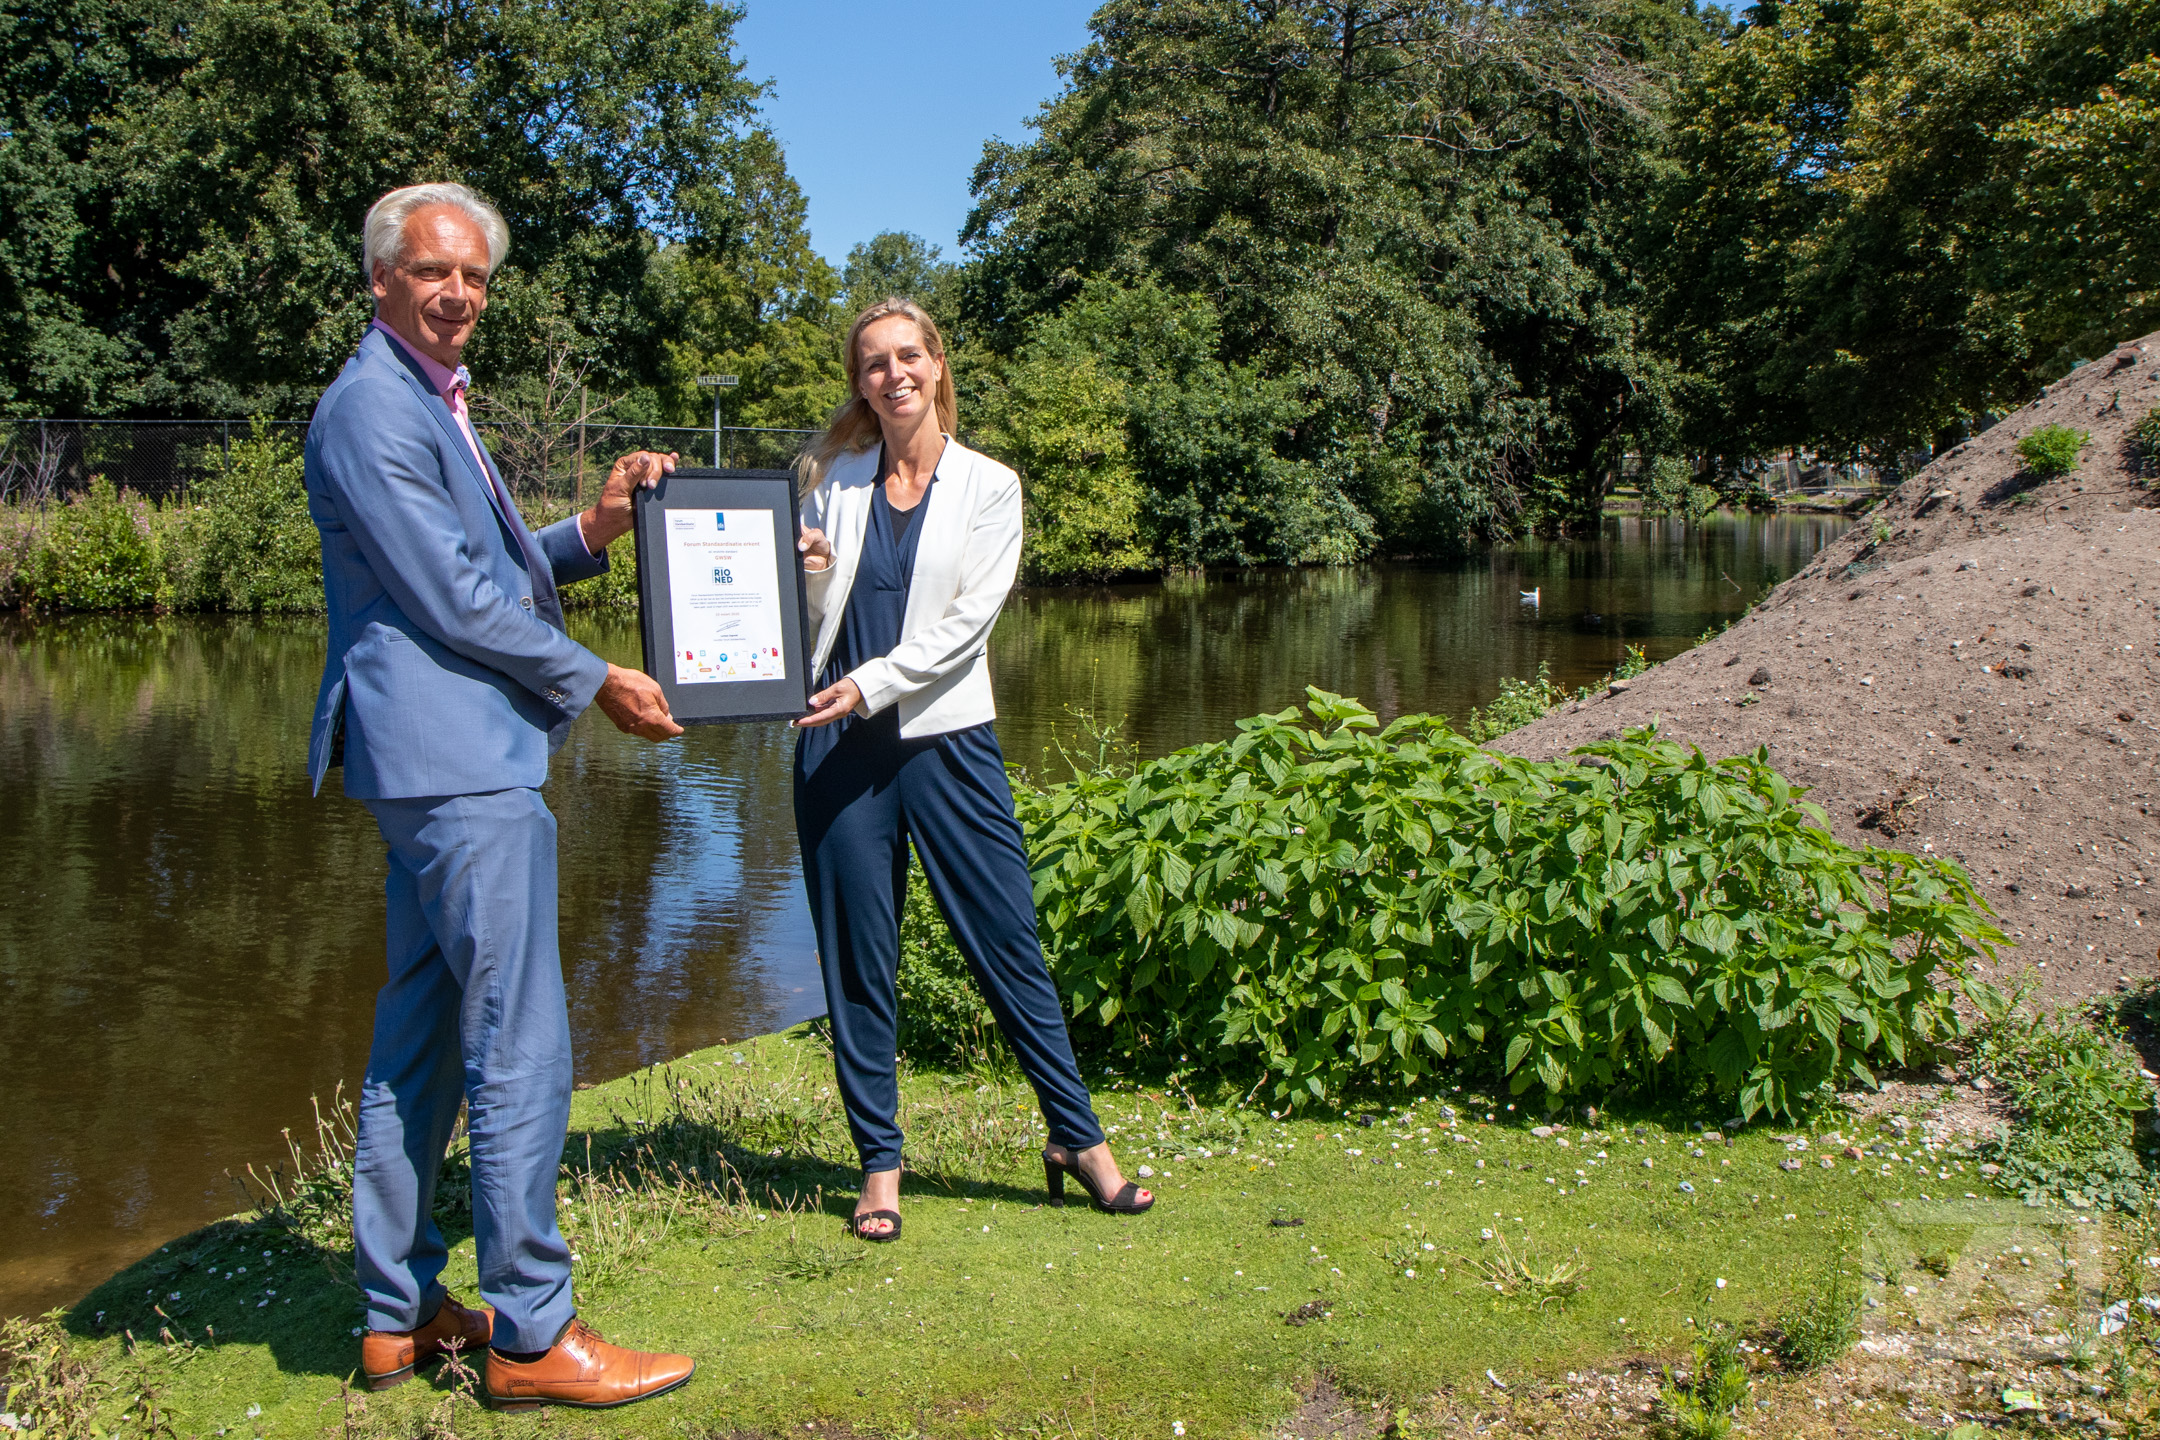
{"x": 710, "y": 664}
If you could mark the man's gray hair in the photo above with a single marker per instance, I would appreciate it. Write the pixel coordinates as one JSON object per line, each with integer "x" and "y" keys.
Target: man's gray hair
{"x": 383, "y": 236}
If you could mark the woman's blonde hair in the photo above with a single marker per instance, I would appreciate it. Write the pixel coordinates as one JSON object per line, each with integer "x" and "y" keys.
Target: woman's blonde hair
{"x": 853, "y": 427}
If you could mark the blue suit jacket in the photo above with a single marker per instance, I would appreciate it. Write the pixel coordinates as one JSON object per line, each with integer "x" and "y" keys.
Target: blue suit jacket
{"x": 449, "y": 672}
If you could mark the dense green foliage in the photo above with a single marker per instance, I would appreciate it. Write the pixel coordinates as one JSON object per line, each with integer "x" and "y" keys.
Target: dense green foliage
{"x": 2078, "y": 1094}
{"x": 1335, "y": 905}
{"x": 242, "y": 542}
{"x": 1396, "y": 277}
{"x": 246, "y": 540}
{"x": 1887, "y": 217}
{"x": 183, "y": 187}
{"x": 99, "y": 551}
{"x": 1275, "y": 281}
{"x": 1360, "y": 269}
{"x": 2052, "y": 450}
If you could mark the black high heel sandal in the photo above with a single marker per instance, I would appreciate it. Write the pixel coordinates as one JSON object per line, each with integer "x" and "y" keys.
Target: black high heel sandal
{"x": 856, "y": 1224}
{"x": 1122, "y": 1203}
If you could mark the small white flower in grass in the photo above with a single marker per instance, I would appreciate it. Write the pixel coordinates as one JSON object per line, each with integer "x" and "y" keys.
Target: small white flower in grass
{"x": 253, "y": 1411}
{"x": 359, "y": 1330}
{"x": 1721, "y": 1282}
{"x": 1177, "y": 1427}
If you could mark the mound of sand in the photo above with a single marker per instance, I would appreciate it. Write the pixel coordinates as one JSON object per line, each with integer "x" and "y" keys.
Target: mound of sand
{"x": 1983, "y": 683}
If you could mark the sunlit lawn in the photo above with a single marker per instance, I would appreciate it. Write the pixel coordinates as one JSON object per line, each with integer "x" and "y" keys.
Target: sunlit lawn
{"x": 998, "y": 1314}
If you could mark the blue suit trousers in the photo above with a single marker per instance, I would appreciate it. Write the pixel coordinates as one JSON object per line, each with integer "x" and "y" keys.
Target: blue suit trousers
{"x": 473, "y": 1010}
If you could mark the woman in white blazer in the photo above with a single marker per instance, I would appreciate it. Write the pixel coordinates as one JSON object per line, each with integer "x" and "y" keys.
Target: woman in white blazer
{"x": 910, "y": 543}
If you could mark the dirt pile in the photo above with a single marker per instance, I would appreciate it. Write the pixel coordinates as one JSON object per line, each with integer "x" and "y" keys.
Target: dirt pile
{"x": 1981, "y": 681}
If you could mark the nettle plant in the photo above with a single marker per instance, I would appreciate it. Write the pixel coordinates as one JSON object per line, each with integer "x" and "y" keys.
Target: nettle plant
{"x": 1341, "y": 902}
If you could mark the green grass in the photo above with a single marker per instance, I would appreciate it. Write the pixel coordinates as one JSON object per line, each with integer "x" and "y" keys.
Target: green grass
{"x": 711, "y": 1221}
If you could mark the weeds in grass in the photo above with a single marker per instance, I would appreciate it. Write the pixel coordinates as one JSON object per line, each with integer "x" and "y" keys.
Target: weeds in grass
{"x": 609, "y": 1215}
{"x": 1701, "y": 1404}
{"x": 52, "y": 1395}
{"x": 813, "y": 1259}
{"x": 2077, "y": 1090}
{"x": 310, "y": 1193}
{"x": 1524, "y": 1272}
{"x": 1405, "y": 1253}
{"x": 1826, "y": 1321}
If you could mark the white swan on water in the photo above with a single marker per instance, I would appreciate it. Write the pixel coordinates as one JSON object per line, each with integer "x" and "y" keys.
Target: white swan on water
{"x": 1530, "y": 597}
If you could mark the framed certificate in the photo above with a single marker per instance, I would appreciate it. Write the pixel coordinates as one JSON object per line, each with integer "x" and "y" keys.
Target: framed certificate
{"x": 720, "y": 595}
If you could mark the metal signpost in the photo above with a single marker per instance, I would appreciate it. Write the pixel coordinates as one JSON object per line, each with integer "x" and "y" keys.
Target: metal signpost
{"x": 717, "y": 383}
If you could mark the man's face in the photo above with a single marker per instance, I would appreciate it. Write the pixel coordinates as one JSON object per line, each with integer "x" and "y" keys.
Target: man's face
{"x": 434, "y": 295}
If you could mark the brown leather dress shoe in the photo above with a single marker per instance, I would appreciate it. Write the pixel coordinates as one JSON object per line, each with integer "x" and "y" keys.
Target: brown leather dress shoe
{"x": 387, "y": 1357}
{"x": 585, "y": 1371}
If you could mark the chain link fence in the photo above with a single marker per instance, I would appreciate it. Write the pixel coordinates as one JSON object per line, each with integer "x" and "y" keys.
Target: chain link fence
{"x": 43, "y": 460}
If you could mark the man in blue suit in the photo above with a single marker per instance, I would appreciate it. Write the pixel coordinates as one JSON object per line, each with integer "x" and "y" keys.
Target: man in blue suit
{"x": 450, "y": 682}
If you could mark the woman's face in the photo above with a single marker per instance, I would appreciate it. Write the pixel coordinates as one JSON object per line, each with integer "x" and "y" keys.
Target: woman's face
{"x": 895, "y": 370}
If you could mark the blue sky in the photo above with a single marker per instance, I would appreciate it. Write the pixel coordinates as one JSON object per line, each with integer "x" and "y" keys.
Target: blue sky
{"x": 883, "y": 109}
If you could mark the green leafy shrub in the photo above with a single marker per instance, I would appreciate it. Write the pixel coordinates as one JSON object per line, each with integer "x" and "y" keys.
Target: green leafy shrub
{"x": 1336, "y": 904}
{"x": 98, "y": 551}
{"x": 1060, "y": 421}
{"x": 613, "y": 589}
{"x": 1632, "y": 663}
{"x": 2077, "y": 1090}
{"x": 1665, "y": 484}
{"x": 2145, "y": 435}
{"x": 2052, "y": 450}
{"x": 247, "y": 543}
{"x": 18, "y": 549}
{"x": 1518, "y": 703}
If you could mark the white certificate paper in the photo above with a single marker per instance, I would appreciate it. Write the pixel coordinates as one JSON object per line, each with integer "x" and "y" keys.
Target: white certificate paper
{"x": 724, "y": 586}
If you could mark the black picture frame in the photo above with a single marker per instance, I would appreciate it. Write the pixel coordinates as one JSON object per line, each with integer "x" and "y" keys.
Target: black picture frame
{"x": 726, "y": 698}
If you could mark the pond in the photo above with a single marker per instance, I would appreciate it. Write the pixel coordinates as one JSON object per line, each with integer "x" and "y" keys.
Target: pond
{"x": 191, "y": 943}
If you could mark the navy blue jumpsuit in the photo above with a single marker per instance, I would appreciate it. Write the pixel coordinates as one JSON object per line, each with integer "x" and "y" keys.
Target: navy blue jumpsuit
{"x": 862, "y": 793}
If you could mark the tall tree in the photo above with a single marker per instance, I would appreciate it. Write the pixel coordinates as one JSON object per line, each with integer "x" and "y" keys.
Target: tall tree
{"x": 67, "y": 322}
{"x": 234, "y": 146}
{"x": 1413, "y": 212}
{"x": 755, "y": 302}
{"x": 1889, "y": 216}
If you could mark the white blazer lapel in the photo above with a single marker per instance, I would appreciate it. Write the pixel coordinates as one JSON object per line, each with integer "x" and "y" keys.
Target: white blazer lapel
{"x": 944, "y": 537}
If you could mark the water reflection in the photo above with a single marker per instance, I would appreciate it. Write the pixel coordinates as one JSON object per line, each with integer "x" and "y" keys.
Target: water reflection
{"x": 1182, "y": 662}
{"x": 191, "y": 943}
